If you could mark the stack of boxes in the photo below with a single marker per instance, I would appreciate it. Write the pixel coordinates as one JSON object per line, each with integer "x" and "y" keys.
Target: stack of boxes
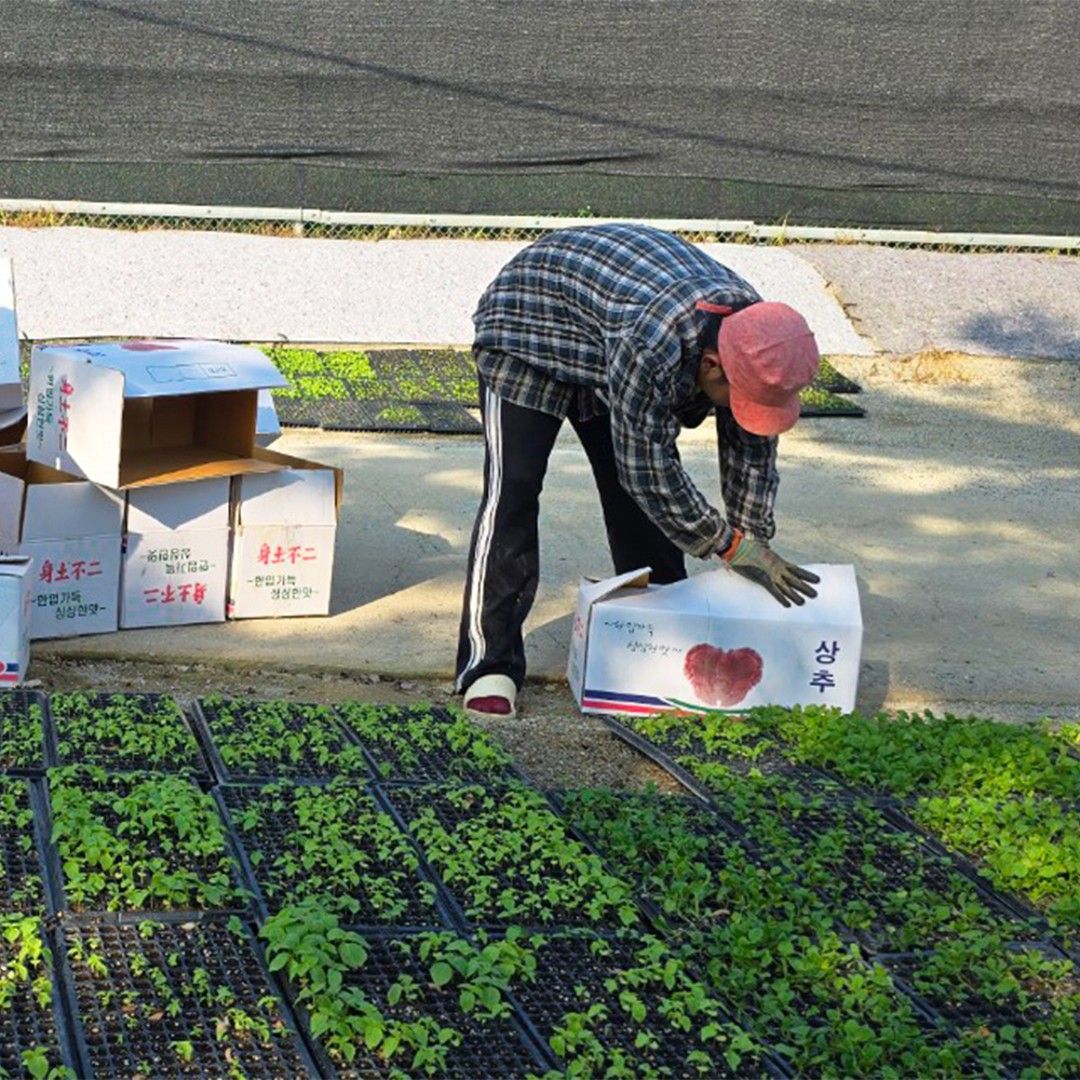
{"x": 144, "y": 495}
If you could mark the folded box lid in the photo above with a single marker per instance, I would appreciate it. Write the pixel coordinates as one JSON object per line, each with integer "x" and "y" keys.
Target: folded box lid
{"x": 724, "y": 594}
{"x": 192, "y": 504}
{"x": 69, "y": 510}
{"x": 161, "y": 368}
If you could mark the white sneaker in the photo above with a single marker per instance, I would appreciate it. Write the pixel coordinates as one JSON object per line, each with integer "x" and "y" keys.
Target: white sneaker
{"x": 492, "y": 696}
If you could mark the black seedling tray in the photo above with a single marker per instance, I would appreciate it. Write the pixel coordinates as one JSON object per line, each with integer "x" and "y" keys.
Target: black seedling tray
{"x": 772, "y": 761}
{"x": 208, "y": 719}
{"x": 834, "y": 381}
{"x": 699, "y": 821}
{"x": 25, "y": 1025}
{"x": 116, "y": 1040}
{"x": 570, "y": 978}
{"x": 973, "y": 1013}
{"x": 879, "y": 843}
{"x": 437, "y": 418}
{"x": 55, "y": 878}
{"x": 492, "y": 1049}
{"x": 15, "y": 706}
{"x": 270, "y": 838}
{"x": 191, "y": 764}
{"x": 22, "y": 853}
{"x": 406, "y": 802}
{"x": 418, "y": 764}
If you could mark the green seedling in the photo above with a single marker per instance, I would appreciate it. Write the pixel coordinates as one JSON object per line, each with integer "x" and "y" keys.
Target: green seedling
{"x": 279, "y": 738}
{"x": 123, "y": 731}
{"x": 415, "y": 744}
{"x": 509, "y": 859}
{"x": 139, "y": 842}
{"x": 334, "y": 845}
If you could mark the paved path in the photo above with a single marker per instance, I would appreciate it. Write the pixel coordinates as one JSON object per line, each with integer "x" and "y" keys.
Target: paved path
{"x": 956, "y": 502}
{"x": 75, "y": 282}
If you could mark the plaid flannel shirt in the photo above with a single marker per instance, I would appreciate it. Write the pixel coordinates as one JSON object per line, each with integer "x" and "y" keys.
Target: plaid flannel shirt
{"x": 603, "y": 319}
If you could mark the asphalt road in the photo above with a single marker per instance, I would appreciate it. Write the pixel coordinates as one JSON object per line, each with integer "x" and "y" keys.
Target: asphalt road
{"x": 914, "y": 112}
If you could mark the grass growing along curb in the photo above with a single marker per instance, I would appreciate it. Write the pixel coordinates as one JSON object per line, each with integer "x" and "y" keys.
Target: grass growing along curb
{"x": 280, "y": 739}
{"x": 416, "y": 744}
{"x": 124, "y": 732}
{"x": 139, "y": 842}
{"x": 333, "y": 845}
{"x": 508, "y": 859}
{"x": 22, "y": 725}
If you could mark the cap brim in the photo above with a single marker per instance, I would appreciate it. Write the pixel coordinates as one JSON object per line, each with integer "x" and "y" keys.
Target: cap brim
{"x": 764, "y": 419}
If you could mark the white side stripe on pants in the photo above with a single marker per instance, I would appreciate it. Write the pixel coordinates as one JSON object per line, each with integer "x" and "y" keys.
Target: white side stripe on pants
{"x": 493, "y": 438}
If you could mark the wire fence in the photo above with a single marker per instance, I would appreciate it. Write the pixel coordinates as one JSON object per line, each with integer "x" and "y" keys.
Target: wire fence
{"x": 317, "y": 224}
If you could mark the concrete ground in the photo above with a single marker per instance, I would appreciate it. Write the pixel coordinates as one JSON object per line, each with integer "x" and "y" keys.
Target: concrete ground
{"x": 957, "y": 499}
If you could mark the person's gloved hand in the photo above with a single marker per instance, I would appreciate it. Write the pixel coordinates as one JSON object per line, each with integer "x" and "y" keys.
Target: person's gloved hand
{"x": 753, "y": 559}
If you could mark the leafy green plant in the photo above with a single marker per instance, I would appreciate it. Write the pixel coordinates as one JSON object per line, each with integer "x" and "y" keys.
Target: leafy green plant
{"x": 509, "y": 859}
{"x": 416, "y": 744}
{"x": 400, "y": 414}
{"x": 414, "y": 1004}
{"x": 124, "y": 732}
{"x": 280, "y": 738}
{"x": 26, "y": 1001}
{"x": 139, "y": 842}
{"x": 21, "y": 887}
{"x": 1029, "y": 846}
{"x": 884, "y": 883}
{"x": 1017, "y": 1009}
{"x": 21, "y": 731}
{"x": 333, "y": 844}
{"x": 179, "y": 994}
{"x": 629, "y": 1006}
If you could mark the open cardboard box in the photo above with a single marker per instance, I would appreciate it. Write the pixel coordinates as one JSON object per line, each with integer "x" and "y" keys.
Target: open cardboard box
{"x": 71, "y": 529}
{"x": 284, "y": 529}
{"x": 12, "y": 406}
{"x": 138, "y": 413}
{"x": 713, "y": 642}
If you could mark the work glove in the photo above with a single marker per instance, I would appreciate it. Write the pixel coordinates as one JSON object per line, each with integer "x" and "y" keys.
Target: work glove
{"x": 753, "y": 559}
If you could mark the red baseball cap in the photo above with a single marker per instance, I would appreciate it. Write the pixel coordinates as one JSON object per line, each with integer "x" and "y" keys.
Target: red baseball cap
{"x": 768, "y": 354}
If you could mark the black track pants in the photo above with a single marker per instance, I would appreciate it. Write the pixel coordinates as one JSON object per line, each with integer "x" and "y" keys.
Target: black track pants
{"x": 504, "y": 557}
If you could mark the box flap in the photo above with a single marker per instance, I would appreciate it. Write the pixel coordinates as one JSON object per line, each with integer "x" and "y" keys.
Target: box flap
{"x": 275, "y": 459}
{"x": 181, "y": 464}
{"x": 11, "y": 394}
{"x": 593, "y": 591}
{"x": 161, "y": 368}
{"x": 69, "y": 509}
{"x": 725, "y": 595}
{"x": 288, "y": 497}
{"x": 267, "y": 424}
{"x": 200, "y": 504}
{"x": 15, "y": 566}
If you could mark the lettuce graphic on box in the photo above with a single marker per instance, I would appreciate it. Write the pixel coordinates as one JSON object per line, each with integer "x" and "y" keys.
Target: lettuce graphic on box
{"x": 722, "y": 677}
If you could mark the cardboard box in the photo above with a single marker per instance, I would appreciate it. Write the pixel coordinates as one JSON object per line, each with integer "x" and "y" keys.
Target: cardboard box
{"x": 176, "y": 554}
{"x": 267, "y": 424}
{"x": 71, "y": 529}
{"x": 284, "y": 527}
{"x": 715, "y": 641}
{"x": 15, "y": 597}
{"x": 12, "y": 406}
{"x": 138, "y": 413}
